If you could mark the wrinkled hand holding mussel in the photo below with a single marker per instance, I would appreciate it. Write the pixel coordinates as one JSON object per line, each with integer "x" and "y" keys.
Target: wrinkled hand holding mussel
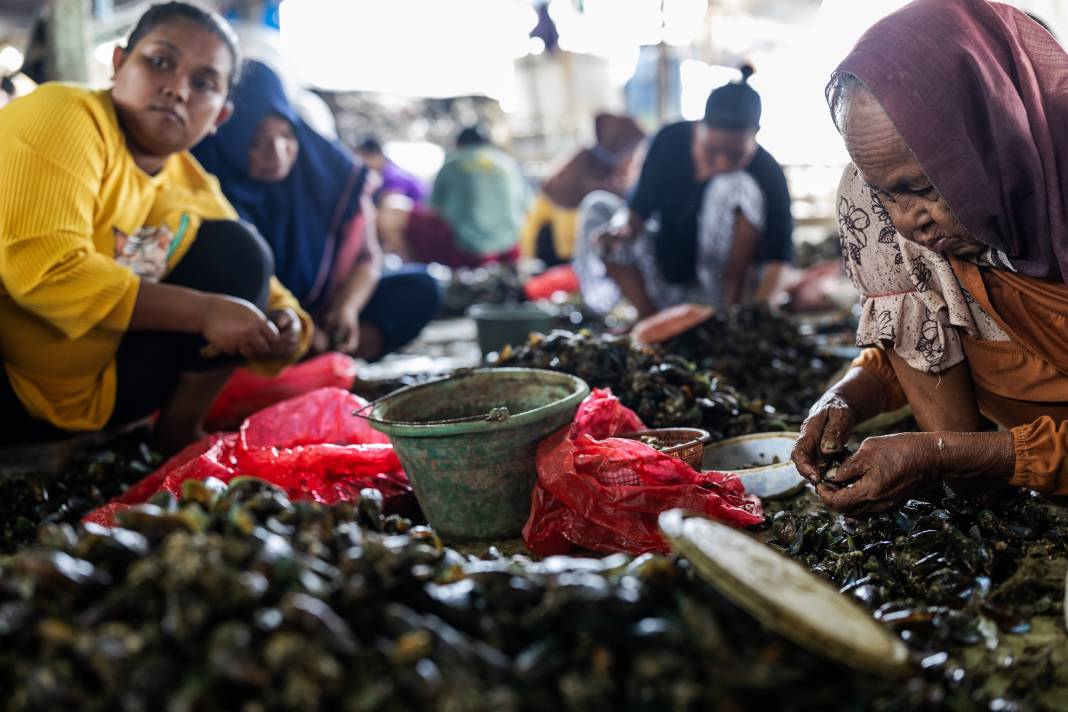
{"x": 828, "y": 463}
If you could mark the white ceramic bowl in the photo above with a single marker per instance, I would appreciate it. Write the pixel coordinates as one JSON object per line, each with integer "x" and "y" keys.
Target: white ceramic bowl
{"x": 761, "y": 460}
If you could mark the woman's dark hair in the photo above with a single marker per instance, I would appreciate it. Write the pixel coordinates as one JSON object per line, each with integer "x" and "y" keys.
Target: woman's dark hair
{"x": 7, "y": 86}
{"x": 471, "y": 136}
{"x": 735, "y": 106}
{"x": 840, "y": 91}
{"x": 169, "y": 11}
{"x": 370, "y": 145}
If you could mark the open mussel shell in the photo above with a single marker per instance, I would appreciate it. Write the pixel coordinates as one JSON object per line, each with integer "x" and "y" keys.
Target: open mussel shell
{"x": 784, "y": 596}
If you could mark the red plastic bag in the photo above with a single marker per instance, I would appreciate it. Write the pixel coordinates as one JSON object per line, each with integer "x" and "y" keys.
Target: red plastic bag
{"x": 310, "y": 446}
{"x": 322, "y": 416}
{"x": 606, "y": 494}
{"x": 561, "y": 278}
{"x": 602, "y": 415}
{"x": 247, "y": 392}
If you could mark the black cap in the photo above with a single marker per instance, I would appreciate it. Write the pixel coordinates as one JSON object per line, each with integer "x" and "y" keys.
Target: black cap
{"x": 734, "y": 106}
{"x": 471, "y": 136}
{"x": 370, "y": 144}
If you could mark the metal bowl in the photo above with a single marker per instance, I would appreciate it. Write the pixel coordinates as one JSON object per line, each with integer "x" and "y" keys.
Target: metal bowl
{"x": 761, "y": 461}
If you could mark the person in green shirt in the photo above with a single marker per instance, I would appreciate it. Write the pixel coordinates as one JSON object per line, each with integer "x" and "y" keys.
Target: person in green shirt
{"x": 482, "y": 195}
{"x": 475, "y": 212}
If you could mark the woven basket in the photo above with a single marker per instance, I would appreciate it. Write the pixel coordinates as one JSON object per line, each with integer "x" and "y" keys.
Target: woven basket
{"x": 687, "y": 444}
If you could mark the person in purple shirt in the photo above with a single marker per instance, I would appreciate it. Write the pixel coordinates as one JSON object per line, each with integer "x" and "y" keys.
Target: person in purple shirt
{"x": 395, "y": 180}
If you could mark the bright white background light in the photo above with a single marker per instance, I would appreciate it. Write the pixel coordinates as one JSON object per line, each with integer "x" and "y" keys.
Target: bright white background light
{"x": 10, "y": 59}
{"x": 797, "y": 126}
{"x": 683, "y": 21}
{"x": 421, "y": 158}
{"x": 698, "y": 80}
{"x": 411, "y": 47}
{"x": 104, "y": 51}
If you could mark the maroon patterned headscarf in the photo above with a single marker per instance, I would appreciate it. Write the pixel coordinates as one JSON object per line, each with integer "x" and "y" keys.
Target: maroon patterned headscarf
{"x": 979, "y": 91}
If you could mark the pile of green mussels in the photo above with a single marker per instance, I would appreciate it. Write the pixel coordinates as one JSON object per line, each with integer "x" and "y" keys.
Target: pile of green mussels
{"x": 767, "y": 355}
{"x": 743, "y": 370}
{"x": 236, "y": 598}
{"x": 492, "y": 284}
{"x": 91, "y": 479}
{"x": 974, "y": 587}
{"x": 663, "y": 389}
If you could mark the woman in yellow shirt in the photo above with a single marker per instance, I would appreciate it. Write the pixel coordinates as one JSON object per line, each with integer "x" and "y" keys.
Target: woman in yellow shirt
{"x": 126, "y": 284}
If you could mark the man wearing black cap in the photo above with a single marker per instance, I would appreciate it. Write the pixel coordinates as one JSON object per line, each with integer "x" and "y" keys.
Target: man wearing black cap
{"x": 684, "y": 259}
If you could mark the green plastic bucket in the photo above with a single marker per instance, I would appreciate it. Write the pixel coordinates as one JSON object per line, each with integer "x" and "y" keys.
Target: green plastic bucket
{"x": 470, "y": 462}
{"x": 502, "y": 324}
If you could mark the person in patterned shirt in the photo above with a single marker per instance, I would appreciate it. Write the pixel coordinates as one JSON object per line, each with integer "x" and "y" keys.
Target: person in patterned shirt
{"x": 954, "y": 230}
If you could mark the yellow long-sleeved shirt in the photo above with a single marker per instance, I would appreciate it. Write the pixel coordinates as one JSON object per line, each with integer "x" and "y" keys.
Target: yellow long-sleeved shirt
{"x": 80, "y": 226}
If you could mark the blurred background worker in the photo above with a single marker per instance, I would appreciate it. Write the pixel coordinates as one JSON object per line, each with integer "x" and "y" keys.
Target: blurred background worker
{"x": 474, "y": 213}
{"x": 549, "y": 232}
{"x": 709, "y": 223}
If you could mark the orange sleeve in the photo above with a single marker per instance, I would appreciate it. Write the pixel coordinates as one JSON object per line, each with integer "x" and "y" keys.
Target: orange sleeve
{"x": 875, "y": 361}
{"x": 1041, "y": 455}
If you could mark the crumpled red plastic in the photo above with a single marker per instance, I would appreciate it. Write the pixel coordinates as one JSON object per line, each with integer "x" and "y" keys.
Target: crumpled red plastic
{"x": 247, "y": 392}
{"x": 561, "y": 278}
{"x": 311, "y": 446}
{"x": 602, "y": 415}
{"x": 606, "y": 494}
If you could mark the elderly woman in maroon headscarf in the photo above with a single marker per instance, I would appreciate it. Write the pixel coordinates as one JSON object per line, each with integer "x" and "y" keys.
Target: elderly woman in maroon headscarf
{"x": 551, "y": 225}
{"x": 954, "y": 227}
